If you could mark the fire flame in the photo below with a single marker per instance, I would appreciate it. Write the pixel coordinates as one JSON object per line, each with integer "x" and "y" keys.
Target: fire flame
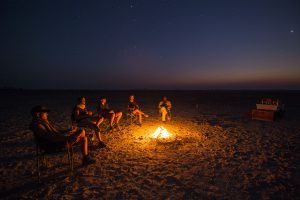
{"x": 161, "y": 132}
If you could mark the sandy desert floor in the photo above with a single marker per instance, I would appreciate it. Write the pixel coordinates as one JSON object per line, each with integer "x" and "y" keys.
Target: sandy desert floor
{"x": 217, "y": 151}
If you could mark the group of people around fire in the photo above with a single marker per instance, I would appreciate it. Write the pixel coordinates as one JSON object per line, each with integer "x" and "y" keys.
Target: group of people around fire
{"x": 83, "y": 119}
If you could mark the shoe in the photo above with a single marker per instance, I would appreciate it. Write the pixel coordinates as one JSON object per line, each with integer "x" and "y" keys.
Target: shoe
{"x": 102, "y": 145}
{"x": 139, "y": 124}
{"x": 87, "y": 160}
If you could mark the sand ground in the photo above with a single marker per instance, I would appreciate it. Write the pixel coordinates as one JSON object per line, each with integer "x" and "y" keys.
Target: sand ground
{"x": 216, "y": 152}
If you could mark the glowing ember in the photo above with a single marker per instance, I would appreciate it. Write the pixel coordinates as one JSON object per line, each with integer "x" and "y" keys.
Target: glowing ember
{"x": 161, "y": 132}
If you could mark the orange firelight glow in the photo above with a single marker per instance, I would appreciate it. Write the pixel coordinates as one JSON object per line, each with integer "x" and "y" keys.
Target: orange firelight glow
{"x": 161, "y": 133}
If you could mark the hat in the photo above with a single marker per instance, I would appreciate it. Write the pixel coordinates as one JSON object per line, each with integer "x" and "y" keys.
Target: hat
{"x": 37, "y": 109}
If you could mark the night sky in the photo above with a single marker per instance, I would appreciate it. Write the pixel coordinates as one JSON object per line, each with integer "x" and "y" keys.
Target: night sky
{"x": 150, "y": 44}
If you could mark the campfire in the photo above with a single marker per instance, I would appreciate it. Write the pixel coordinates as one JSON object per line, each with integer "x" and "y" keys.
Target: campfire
{"x": 161, "y": 133}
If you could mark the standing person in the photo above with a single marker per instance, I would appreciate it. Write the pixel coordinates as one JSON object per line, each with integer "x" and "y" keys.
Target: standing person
{"x": 164, "y": 107}
{"x": 58, "y": 138}
{"x": 84, "y": 118}
{"x": 105, "y": 112}
{"x": 134, "y": 109}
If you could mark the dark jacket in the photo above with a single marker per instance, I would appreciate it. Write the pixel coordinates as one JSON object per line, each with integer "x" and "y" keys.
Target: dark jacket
{"x": 44, "y": 130}
{"x": 133, "y": 106}
{"x": 103, "y": 109}
{"x": 79, "y": 114}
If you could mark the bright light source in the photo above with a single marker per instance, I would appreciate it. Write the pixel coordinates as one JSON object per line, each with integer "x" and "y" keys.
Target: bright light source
{"x": 161, "y": 133}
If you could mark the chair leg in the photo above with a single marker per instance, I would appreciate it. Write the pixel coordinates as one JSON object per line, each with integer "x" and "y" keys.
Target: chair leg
{"x": 72, "y": 159}
{"x": 93, "y": 137}
{"x": 90, "y": 138}
{"x": 69, "y": 158}
{"x": 45, "y": 162}
{"x": 38, "y": 163}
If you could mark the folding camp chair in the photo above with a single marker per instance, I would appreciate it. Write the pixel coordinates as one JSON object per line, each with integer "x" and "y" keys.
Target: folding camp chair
{"x": 131, "y": 118}
{"x": 45, "y": 148}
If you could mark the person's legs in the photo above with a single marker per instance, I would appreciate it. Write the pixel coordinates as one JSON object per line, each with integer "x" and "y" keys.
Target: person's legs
{"x": 118, "y": 116}
{"x": 112, "y": 118}
{"x": 95, "y": 126}
{"x": 79, "y": 136}
{"x": 164, "y": 113}
{"x": 142, "y": 113}
{"x": 84, "y": 146}
{"x": 101, "y": 143}
{"x": 89, "y": 123}
{"x": 139, "y": 114}
{"x": 98, "y": 136}
{"x": 169, "y": 115}
{"x": 99, "y": 121}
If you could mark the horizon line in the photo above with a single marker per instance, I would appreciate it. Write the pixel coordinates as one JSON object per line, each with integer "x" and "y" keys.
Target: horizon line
{"x": 145, "y": 89}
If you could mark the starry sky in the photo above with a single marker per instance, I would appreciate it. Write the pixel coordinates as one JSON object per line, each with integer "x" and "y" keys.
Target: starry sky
{"x": 150, "y": 44}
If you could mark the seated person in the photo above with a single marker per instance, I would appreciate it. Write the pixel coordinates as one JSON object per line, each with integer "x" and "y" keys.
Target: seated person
{"x": 84, "y": 118}
{"x": 134, "y": 109}
{"x": 57, "y": 139}
{"x": 164, "y": 107}
{"x": 105, "y": 112}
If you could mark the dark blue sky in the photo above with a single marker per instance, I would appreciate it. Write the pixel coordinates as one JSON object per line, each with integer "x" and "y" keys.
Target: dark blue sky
{"x": 166, "y": 44}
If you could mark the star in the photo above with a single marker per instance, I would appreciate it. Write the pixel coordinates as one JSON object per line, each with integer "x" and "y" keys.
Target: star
{"x": 292, "y": 31}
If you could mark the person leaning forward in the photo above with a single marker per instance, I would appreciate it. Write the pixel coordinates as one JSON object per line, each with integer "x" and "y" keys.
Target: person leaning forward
{"x": 84, "y": 118}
